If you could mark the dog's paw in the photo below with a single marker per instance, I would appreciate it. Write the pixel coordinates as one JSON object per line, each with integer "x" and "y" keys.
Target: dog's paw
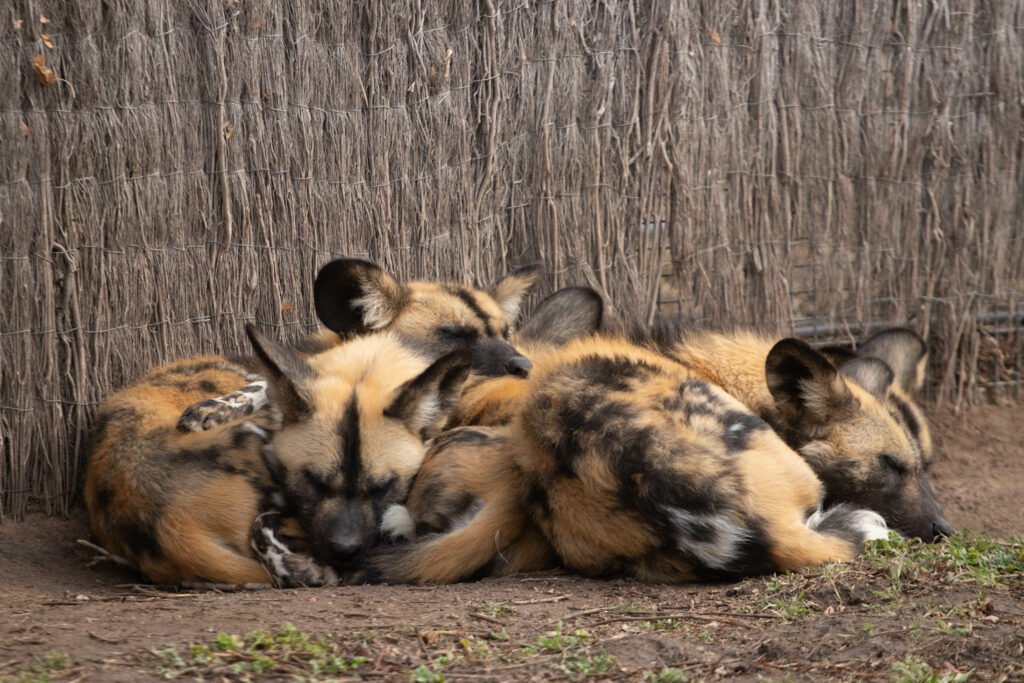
{"x": 287, "y": 569}
{"x": 211, "y": 412}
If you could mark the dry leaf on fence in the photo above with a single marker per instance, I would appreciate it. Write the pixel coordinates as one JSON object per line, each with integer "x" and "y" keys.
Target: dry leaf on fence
{"x": 715, "y": 38}
{"x": 24, "y": 128}
{"x": 46, "y": 40}
{"x": 43, "y": 19}
{"x": 45, "y": 73}
{"x": 18, "y": 23}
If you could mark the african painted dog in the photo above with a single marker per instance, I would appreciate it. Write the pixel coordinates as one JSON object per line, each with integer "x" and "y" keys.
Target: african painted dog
{"x": 444, "y": 487}
{"x": 354, "y": 297}
{"x": 620, "y": 461}
{"x": 856, "y": 425}
{"x": 462, "y": 464}
{"x": 342, "y": 438}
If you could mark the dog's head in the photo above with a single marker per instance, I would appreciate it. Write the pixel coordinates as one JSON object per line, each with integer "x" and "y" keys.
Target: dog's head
{"x": 857, "y": 426}
{"x": 355, "y": 421}
{"x": 354, "y": 297}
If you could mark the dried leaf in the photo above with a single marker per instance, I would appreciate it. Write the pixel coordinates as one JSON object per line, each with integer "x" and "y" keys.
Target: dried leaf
{"x": 46, "y": 40}
{"x": 715, "y": 38}
{"x": 257, "y": 26}
{"x": 430, "y": 637}
{"x": 24, "y": 128}
{"x": 286, "y": 307}
{"x": 18, "y": 24}
{"x": 229, "y": 130}
{"x": 43, "y": 19}
{"x": 45, "y": 73}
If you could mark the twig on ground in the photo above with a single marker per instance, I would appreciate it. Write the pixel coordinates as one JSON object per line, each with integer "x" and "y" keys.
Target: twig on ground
{"x": 478, "y": 615}
{"x": 579, "y": 614}
{"x": 674, "y": 615}
{"x": 554, "y": 598}
{"x": 104, "y": 555}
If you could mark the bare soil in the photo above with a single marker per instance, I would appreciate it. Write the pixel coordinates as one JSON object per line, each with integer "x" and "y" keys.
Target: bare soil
{"x": 842, "y": 623}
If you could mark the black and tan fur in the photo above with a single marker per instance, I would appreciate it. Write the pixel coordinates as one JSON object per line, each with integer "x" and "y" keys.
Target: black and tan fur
{"x": 343, "y": 438}
{"x": 179, "y": 503}
{"x": 354, "y": 297}
{"x": 856, "y": 424}
{"x": 620, "y": 462}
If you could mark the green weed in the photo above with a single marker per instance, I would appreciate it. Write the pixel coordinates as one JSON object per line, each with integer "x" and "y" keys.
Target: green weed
{"x": 257, "y": 653}
{"x": 42, "y": 670}
{"x": 913, "y": 669}
{"x": 667, "y": 675}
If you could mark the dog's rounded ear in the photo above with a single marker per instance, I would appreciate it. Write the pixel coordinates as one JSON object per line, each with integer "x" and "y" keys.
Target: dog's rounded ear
{"x": 426, "y": 402}
{"x": 806, "y": 386}
{"x": 904, "y": 351}
{"x": 510, "y": 291}
{"x": 567, "y": 314}
{"x": 871, "y": 373}
{"x": 287, "y": 375}
{"x": 352, "y": 297}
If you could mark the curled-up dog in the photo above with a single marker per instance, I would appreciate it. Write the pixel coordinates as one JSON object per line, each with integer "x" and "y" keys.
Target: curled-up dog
{"x": 338, "y": 444}
{"x": 799, "y": 461}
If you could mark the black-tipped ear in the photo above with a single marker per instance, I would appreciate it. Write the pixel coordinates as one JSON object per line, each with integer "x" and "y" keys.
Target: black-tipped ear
{"x": 806, "y": 387}
{"x": 903, "y": 350}
{"x": 871, "y": 373}
{"x": 426, "y": 403}
{"x": 510, "y": 291}
{"x": 354, "y": 297}
{"x": 286, "y": 374}
{"x": 567, "y": 314}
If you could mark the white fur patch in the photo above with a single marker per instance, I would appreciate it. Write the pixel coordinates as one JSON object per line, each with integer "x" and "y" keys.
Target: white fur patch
{"x": 712, "y": 539}
{"x": 867, "y": 522}
{"x": 871, "y": 524}
{"x": 258, "y": 397}
{"x": 377, "y": 311}
{"x": 397, "y": 523}
{"x": 274, "y": 555}
{"x": 258, "y": 430}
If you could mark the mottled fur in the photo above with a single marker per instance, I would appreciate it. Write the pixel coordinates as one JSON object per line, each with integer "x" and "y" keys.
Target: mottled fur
{"x": 619, "y": 461}
{"x": 354, "y": 297}
{"x": 856, "y": 424}
{"x": 179, "y": 462}
{"x": 342, "y": 439}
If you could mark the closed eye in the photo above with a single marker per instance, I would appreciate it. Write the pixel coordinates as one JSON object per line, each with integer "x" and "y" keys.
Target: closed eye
{"x": 458, "y": 333}
{"x": 383, "y": 488}
{"x": 893, "y": 464}
{"x": 316, "y": 482}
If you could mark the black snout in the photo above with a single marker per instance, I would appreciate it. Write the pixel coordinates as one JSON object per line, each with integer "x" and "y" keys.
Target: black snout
{"x": 519, "y": 366}
{"x": 496, "y": 357}
{"x": 940, "y": 529}
{"x": 344, "y": 548}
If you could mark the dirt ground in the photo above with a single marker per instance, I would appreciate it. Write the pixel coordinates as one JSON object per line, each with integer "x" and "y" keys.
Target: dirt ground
{"x": 860, "y": 621}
